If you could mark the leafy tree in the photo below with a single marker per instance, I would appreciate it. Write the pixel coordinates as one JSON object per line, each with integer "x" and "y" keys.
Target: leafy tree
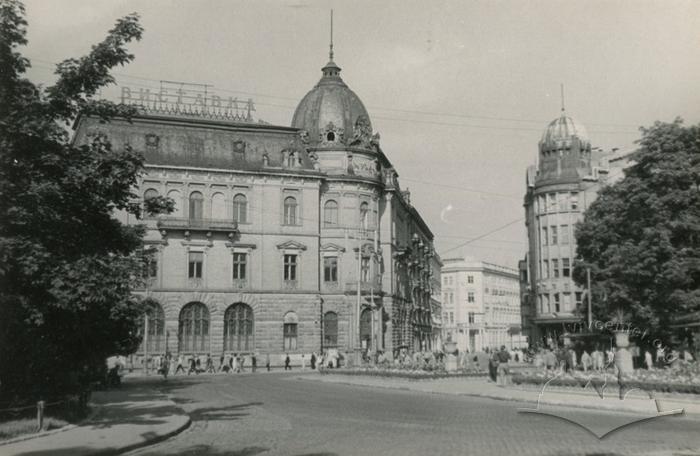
{"x": 67, "y": 266}
{"x": 641, "y": 236}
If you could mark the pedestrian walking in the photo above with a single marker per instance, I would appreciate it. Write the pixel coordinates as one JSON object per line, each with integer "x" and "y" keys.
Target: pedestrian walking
{"x": 313, "y": 361}
{"x": 287, "y": 363}
{"x": 222, "y": 358}
{"x": 234, "y": 366}
{"x": 241, "y": 363}
{"x": 303, "y": 362}
{"x": 231, "y": 362}
{"x": 586, "y": 361}
{"x": 165, "y": 366}
{"x": 210, "y": 364}
{"x": 267, "y": 362}
{"x": 254, "y": 362}
{"x": 648, "y": 362}
{"x": 180, "y": 365}
{"x": 193, "y": 366}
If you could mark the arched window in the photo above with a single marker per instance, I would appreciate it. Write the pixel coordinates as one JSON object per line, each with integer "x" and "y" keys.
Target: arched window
{"x": 196, "y": 206}
{"x": 238, "y": 328}
{"x": 193, "y": 330}
{"x": 364, "y": 215}
{"x": 152, "y": 329}
{"x": 290, "y": 210}
{"x": 366, "y": 329}
{"x": 218, "y": 206}
{"x": 177, "y": 209}
{"x": 150, "y": 193}
{"x": 291, "y": 322}
{"x": 330, "y": 214}
{"x": 240, "y": 208}
{"x": 330, "y": 330}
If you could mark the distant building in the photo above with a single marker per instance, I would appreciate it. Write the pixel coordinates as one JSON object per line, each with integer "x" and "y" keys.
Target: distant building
{"x": 436, "y": 301}
{"x": 562, "y": 185}
{"x": 480, "y": 305}
{"x": 284, "y": 239}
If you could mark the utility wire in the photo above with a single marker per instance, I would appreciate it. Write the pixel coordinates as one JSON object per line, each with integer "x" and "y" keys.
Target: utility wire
{"x": 406, "y": 111}
{"x": 482, "y": 236}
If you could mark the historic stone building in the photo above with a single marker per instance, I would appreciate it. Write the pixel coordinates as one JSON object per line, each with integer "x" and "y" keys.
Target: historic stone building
{"x": 480, "y": 305}
{"x": 284, "y": 239}
{"x": 565, "y": 181}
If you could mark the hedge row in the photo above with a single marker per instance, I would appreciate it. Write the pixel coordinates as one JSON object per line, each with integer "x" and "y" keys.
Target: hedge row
{"x": 644, "y": 386}
{"x": 410, "y": 375}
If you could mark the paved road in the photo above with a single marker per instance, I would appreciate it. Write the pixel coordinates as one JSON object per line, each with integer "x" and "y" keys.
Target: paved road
{"x": 278, "y": 414}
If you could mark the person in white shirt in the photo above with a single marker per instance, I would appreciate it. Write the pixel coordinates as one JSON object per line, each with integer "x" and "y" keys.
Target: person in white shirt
{"x": 648, "y": 362}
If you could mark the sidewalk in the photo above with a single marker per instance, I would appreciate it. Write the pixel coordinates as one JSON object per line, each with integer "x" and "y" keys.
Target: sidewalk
{"x": 635, "y": 401}
{"x": 127, "y": 418}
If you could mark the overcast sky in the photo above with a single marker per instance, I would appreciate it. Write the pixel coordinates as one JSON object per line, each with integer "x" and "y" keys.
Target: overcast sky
{"x": 459, "y": 90}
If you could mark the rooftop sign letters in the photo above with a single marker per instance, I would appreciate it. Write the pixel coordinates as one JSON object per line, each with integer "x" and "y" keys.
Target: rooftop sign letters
{"x": 188, "y": 99}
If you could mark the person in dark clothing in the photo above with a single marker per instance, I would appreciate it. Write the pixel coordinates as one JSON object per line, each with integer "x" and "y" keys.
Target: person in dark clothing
{"x": 313, "y": 361}
{"x": 287, "y": 363}
{"x": 254, "y": 361}
{"x": 267, "y": 362}
{"x": 493, "y": 366}
{"x": 210, "y": 365}
{"x": 193, "y": 366}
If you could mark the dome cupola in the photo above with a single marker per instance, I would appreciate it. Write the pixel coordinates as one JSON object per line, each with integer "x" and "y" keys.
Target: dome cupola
{"x": 332, "y": 115}
{"x": 561, "y": 132}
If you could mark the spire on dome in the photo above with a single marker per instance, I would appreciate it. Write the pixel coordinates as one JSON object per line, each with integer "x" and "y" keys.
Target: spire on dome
{"x": 330, "y": 54}
{"x": 331, "y": 70}
{"x": 562, "y": 95}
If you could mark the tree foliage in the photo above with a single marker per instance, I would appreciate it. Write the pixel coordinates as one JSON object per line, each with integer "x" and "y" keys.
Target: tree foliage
{"x": 67, "y": 266}
{"x": 641, "y": 236}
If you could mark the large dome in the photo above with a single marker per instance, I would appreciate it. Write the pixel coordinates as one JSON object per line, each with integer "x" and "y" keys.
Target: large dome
{"x": 561, "y": 131}
{"x": 332, "y": 113}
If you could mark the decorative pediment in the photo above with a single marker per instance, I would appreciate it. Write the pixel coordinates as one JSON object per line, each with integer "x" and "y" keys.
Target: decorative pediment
{"x": 331, "y": 247}
{"x": 291, "y": 245}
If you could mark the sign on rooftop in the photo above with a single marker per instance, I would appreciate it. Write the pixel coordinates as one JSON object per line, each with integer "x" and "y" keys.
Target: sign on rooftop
{"x": 181, "y": 98}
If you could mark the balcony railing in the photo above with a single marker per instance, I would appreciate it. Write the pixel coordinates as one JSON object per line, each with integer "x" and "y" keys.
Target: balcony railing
{"x": 365, "y": 287}
{"x": 203, "y": 224}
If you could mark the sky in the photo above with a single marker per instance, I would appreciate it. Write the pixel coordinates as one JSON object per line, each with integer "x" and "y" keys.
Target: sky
{"x": 460, "y": 91}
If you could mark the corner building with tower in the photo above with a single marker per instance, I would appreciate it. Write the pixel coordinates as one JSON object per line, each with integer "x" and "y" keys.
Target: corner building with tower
{"x": 562, "y": 185}
{"x": 284, "y": 239}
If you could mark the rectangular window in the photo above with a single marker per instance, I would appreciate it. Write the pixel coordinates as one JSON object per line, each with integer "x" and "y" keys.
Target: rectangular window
{"x": 555, "y": 268}
{"x": 545, "y": 236}
{"x": 471, "y": 317}
{"x": 563, "y": 203}
{"x": 542, "y": 204}
{"x": 470, "y": 296}
{"x": 470, "y": 279}
{"x": 290, "y": 267}
{"x": 290, "y": 336}
{"x": 554, "y": 234}
{"x": 239, "y": 265}
{"x": 330, "y": 269}
{"x": 574, "y": 201}
{"x": 567, "y": 302}
{"x": 557, "y": 304}
{"x": 565, "y": 267}
{"x": 364, "y": 269}
{"x": 551, "y": 202}
{"x": 444, "y": 317}
{"x": 196, "y": 261}
{"x": 545, "y": 269}
{"x": 579, "y": 298}
{"x": 150, "y": 263}
{"x": 564, "y": 234}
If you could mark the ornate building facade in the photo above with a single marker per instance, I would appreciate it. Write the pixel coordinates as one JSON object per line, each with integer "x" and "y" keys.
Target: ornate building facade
{"x": 562, "y": 185}
{"x": 284, "y": 239}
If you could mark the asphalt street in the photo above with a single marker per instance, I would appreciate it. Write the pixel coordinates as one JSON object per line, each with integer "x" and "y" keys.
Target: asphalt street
{"x": 236, "y": 415}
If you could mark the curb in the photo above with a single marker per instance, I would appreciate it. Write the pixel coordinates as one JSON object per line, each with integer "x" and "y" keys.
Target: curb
{"x": 97, "y": 410}
{"x": 145, "y": 443}
{"x": 496, "y": 397}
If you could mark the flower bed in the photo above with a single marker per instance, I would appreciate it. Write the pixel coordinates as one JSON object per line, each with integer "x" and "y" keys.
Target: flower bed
{"x": 402, "y": 373}
{"x": 683, "y": 378}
